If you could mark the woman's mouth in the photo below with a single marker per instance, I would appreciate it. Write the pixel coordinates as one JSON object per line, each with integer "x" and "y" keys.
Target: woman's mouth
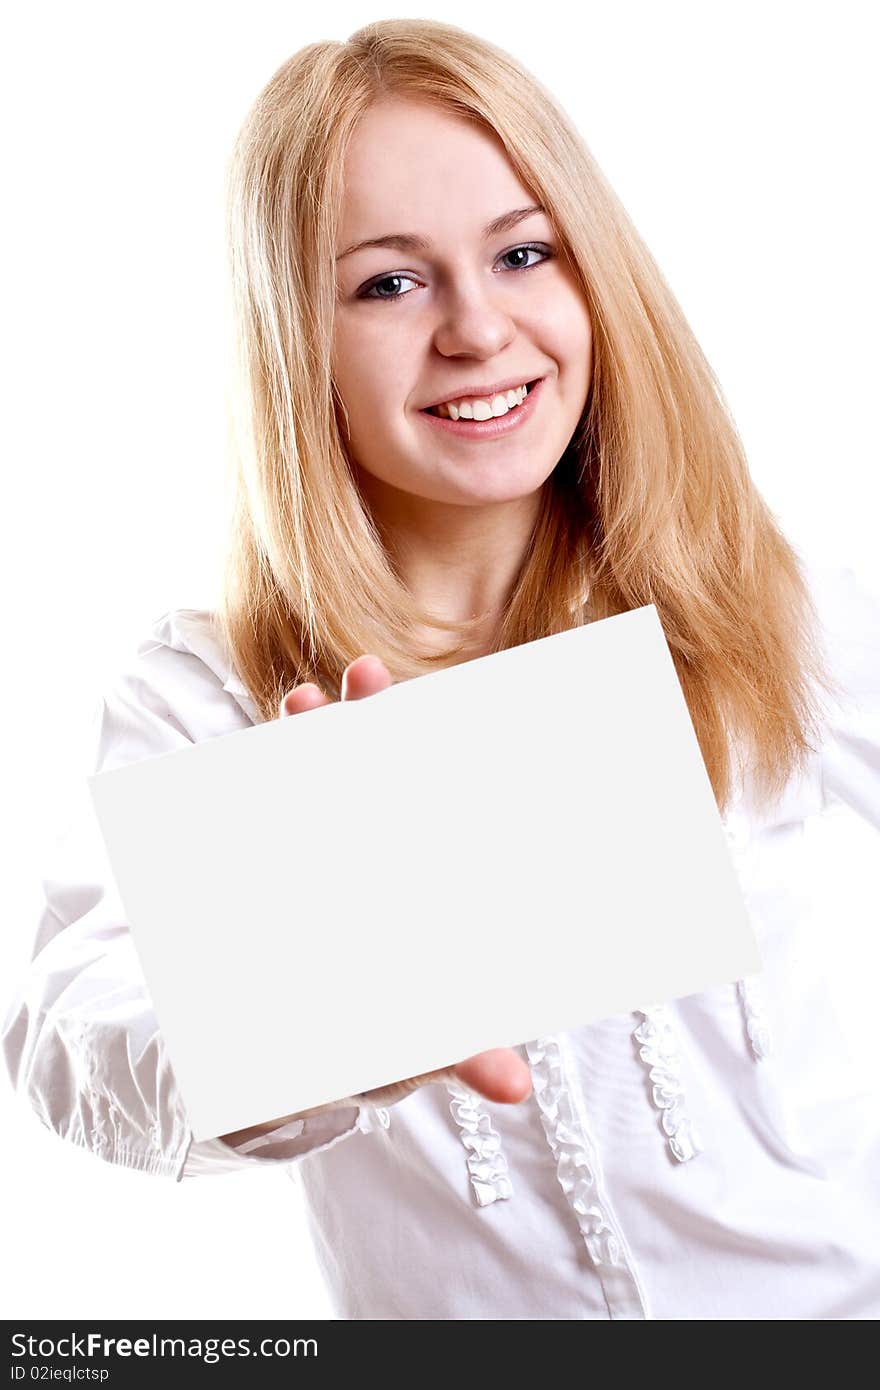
{"x": 514, "y": 417}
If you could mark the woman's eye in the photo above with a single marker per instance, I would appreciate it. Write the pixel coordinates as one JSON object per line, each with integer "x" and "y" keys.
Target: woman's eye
{"x": 368, "y": 291}
{"x": 517, "y": 251}
{"x": 386, "y": 280}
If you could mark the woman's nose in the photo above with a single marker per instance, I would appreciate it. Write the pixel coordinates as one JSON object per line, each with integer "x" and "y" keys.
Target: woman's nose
{"x": 473, "y": 320}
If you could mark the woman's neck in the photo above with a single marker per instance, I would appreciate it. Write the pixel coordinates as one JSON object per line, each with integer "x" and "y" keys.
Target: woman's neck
{"x": 458, "y": 562}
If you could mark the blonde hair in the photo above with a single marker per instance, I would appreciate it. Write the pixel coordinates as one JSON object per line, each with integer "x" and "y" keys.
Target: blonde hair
{"x": 651, "y": 502}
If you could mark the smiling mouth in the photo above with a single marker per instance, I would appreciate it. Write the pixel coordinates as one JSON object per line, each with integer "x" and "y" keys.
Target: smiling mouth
{"x": 435, "y": 410}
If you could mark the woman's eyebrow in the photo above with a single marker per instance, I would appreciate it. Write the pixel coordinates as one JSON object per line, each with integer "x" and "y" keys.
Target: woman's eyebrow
{"x": 409, "y": 241}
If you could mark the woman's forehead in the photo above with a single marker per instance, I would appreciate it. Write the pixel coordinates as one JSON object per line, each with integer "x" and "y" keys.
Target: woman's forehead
{"x": 417, "y": 166}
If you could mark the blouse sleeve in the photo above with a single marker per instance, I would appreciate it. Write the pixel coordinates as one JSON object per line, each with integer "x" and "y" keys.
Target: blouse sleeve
{"x": 80, "y": 1038}
{"x": 849, "y": 608}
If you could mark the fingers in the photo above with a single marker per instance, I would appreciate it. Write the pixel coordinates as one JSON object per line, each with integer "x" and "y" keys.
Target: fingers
{"x": 366, "y": 675}
{"x": 498, "y": 1075}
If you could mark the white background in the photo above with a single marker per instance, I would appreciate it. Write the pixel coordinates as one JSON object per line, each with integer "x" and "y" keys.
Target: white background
{"x": 740, "y": 139}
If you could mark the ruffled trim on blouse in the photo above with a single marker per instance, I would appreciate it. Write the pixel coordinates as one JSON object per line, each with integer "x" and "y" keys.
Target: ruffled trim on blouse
{"x": 577, "y": 1166}
{"x": 487, "y": 1164}
{"x": 750, "y": 992}
{"x": 659, "y": 1051}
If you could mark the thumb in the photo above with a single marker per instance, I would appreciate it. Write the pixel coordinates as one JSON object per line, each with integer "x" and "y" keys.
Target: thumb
{"x": 499, "y": 1074}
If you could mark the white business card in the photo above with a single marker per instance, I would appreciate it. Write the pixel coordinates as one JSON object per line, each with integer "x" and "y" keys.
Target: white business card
{"x": 517, "y": 845}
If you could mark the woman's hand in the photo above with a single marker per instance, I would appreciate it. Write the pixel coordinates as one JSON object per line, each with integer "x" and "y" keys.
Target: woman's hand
{"x": 499, "y": 1074}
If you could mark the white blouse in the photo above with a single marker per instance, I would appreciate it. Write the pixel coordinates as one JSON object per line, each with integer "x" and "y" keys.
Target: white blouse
{"x": 711, "y": 1157}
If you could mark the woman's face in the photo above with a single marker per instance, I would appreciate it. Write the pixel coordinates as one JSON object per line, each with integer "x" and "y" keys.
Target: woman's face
{"x": 462, "y": 313}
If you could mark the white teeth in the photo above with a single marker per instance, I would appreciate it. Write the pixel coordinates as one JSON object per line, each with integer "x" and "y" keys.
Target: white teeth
{"x": 482, "y": 409}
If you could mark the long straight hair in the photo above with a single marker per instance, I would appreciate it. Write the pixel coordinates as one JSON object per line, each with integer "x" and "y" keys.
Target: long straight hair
{"x": 651, "y": 502}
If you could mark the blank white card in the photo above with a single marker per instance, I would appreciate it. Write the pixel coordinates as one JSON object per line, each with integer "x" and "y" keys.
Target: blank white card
{"x": 518, "y": 845}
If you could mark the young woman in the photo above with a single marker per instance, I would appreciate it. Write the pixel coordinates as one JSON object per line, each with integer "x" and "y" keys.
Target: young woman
{"x": 471, "y": 415}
